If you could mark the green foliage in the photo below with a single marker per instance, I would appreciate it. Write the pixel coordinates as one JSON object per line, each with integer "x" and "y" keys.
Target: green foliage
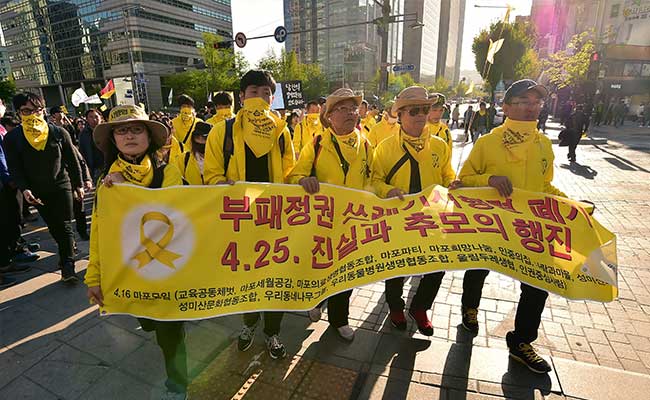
{"x": 518, "y": 39}
{"x": 441, "y": 85}
{"x": 568, "y": 68}
{"x": 286, "y": 67}
{"x": 460, "y": 89}
{"x": 7, "y": 90}
{"x": 528, "y": 66}
{"x": 223, "y": 68}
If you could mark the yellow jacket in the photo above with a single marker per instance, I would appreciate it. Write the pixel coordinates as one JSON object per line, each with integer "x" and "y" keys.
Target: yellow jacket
{"x": 280, "y": 162}
{"x": 191, "y": 171}
{"x": 382, "y": 131}
{"x": 328, "y": 165}
{"x": 367, "y": 123}
{"x": 436, "y": 170}
{"x": 441, "y": 130}
{"x": 532, "y": 171}
{"x": 176, "y": 150}
{"x": 171, "y": 178}
{"x": 182, "y": 130}
{"x": 304, "y": 133}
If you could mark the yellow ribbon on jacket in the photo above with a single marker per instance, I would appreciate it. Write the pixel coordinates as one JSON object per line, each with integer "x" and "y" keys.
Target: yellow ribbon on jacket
{"x": 156, "y": 250}
{"x": 139, "y": 174}
{"x": 258, "y": 126}
{"x": 35, "y": 130}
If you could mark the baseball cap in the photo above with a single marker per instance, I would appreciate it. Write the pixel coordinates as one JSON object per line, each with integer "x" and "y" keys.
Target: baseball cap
{"x": 522, "y": 86}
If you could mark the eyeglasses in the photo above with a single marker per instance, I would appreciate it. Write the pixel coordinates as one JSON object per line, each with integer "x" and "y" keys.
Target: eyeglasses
{"x": 419, "y": 110}
{"x": 124, "y": 129}
{"x": 528, "y": 103}
{"x": 346, "y": 110}
{"x": 29, "y": 111}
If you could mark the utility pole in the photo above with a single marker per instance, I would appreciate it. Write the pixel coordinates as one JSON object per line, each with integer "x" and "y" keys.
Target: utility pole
{"x": 130, "y": 52}
{"x": 383, "y": 30}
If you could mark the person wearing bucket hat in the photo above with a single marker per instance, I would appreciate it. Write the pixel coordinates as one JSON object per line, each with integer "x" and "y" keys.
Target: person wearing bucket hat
{"x": 190, "y": 163}
{"x": 186, "y": 120}
{"x": 339, "y": 156}
{"x": 407, "y": 163}
{"x": 255, "y": 146}
{"x": 434, "y": 125}
{"x": 129, "y": 141}
{"x": 385, "y": 128}
{"x": 513, "y": 155}
{"x": 44, "y": 167}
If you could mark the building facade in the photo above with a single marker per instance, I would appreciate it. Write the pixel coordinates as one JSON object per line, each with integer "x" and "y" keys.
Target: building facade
{"x": 55, "y": 47}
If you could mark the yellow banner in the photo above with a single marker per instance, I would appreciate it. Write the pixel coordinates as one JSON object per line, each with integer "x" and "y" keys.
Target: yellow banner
{"x": 197, "y": 252}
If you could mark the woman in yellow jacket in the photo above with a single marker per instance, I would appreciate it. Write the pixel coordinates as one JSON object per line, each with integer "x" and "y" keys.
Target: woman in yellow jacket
{"x": 407, "y": 163}
{"x": 387, "y": 127}
{"x": 129, "y": 141}
{"x": 434, "y": 124}
{"x": 190, "y": 163}
{"x": 340, "y": 156}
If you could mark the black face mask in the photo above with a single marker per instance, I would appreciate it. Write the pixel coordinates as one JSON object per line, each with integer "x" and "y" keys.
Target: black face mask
{"x": 199, "y": 147}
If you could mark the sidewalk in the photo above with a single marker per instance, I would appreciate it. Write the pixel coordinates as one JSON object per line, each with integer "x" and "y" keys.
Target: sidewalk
{"x": 53, "y": 345}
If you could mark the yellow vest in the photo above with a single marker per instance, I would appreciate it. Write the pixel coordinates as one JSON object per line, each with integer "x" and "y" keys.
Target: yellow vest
{"x": 328, "y": 164}
{"x": 436, "y": 171}
{"x": 532, "y": 171}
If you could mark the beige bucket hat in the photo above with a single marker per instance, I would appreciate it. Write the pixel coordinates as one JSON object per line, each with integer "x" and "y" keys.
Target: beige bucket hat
{"x": 340, "y": 95}
{"x": 123, "y": 114}
{"x": 412, "y": 96}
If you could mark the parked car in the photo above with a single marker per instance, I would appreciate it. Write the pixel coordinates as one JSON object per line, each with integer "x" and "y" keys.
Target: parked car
{"x": 498, "y": 117}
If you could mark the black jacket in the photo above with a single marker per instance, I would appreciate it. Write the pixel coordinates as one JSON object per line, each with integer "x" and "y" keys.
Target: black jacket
{"x": 93, "y": 156}
{"x": 55, "y": 167}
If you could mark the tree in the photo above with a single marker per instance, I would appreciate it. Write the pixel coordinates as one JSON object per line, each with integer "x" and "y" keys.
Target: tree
{"x": 441, "y": 85}
{"x": 286, "y": 67}
{"x": 568, "y": 68}
{"x": 518, "y": 38}
{"x": 460, "y": 89}
{"x": 7, "y": 90}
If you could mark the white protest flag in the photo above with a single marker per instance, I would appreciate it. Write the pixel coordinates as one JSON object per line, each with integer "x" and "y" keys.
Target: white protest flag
{"x": 171, "y": 94}
{"x": 78, "y": 97}
{"x": 493, "y": 49}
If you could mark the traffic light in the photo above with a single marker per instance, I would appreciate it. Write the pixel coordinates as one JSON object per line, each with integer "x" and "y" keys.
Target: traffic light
{"x": 595, "y": 57}
{"x": 594, "y": 66}
{"x": 225, "y": 44}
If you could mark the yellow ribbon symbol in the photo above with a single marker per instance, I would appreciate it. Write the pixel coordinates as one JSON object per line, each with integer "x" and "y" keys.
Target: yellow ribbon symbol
{"x": 157, "y": 250}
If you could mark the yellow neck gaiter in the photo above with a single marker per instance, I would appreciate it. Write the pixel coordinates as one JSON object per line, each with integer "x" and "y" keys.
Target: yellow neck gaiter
{"x": 482, "y": 113}
{"x": 35, "y": 130}
{"x": 416, "y": 143}
{"x": 312, "y": 119}
{"x": 223, "y": 114}
{"x": 187, "y": 115}
{"x": 138, "y": 174}
{"x": 349, "y": 144}
{"x": 517, "y": 136}
{"x": 258, "y": 125}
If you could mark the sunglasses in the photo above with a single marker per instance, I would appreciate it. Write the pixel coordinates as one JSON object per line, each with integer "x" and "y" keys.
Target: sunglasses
{"x": 419, "y": 110}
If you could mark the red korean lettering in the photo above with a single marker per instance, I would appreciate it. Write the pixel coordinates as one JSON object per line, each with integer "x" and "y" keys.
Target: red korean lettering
{"x": 548, "y": 208}
{"x": 531, "y": 234}
{"x": 268, "y": 211}
{"x": 376, "y": 231}
{"x": 490, "y": 221}
{"x": 322, "y": 255}
{"x": 359, "y": 214}
{"x": 297, "y": 210}
{"x": 236, "y": 210}
{"x": 420, "y": 222}
{"x": 554, "y": 236}
{"x": 347, "y": 244}
{"x": 455, "y": 219}
{"x": 325, "y": 207}
{"x": 478, "y": 204}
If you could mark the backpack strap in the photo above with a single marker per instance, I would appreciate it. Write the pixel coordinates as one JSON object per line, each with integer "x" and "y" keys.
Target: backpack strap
{"x": 228, "y": 145}
{"x": 317, "y": 150}
{"x": 281, "y": 142}
{"x": 186, "y": 161}
{"x": 190, "y": 130}
{"x": 158, "y": 176}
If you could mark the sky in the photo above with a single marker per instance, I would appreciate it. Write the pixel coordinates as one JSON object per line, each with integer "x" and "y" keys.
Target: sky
{"x": 261, "y": 17}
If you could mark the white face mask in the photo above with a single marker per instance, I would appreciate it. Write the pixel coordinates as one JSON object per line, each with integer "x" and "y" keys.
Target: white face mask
{"x": 2, "y": 110}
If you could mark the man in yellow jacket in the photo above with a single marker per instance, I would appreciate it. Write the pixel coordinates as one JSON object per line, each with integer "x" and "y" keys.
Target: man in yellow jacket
{"x": 407, "y": 163}
{"x": 185, "y": 121}
{"x": 385, "y": 128}
{"x": 223, "y": 104}
{"x": 308, "y": 128}
{"x": 434, "y": 123}
{"x": 513, "y": 155}
{"x": 254, "y": 147}
{"x": 339, "y": 156}
{"x": 366, "y": 118}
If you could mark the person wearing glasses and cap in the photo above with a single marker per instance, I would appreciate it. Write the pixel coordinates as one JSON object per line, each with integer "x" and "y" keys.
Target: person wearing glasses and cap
{"x": 190, "y": 164}
{"x": 45, "y": 168}
{"x": 513, "y": 155}
{"x": 339, "y": 156}
{"x": 434, "y": 123}
{"x": 405, "y": 163}
{"x": 129, "y": 141}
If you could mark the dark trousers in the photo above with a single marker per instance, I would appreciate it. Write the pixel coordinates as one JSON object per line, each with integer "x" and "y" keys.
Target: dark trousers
{"x": 338, "y": 309}
{"x": 80, "y": 216}
{"x": 272, "y": 321}
{"x": 56, "y": 211}
{"x": 529, "y": 310}
{"x": 424, "y": 295}
{"x": 9, "y": 224}
{"x": 170, "y": 336}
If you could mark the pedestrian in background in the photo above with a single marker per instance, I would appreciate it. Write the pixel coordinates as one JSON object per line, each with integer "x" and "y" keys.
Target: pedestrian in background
{"x": 455, "y": 115}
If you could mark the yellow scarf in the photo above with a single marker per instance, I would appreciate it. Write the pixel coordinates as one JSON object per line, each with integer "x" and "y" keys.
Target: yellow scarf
{"x": 349, "y": 144}
{"x": 482, "y": 113}
{"x": 312, "y": 119}
{"x": 416, "y": 143}
{"x": 518, "y": 136}
{"x": 138, "y": 174}
{"x": 258, "y": 125}
{"x": 223, "y": 114}
{"x": 35, "y": 130}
